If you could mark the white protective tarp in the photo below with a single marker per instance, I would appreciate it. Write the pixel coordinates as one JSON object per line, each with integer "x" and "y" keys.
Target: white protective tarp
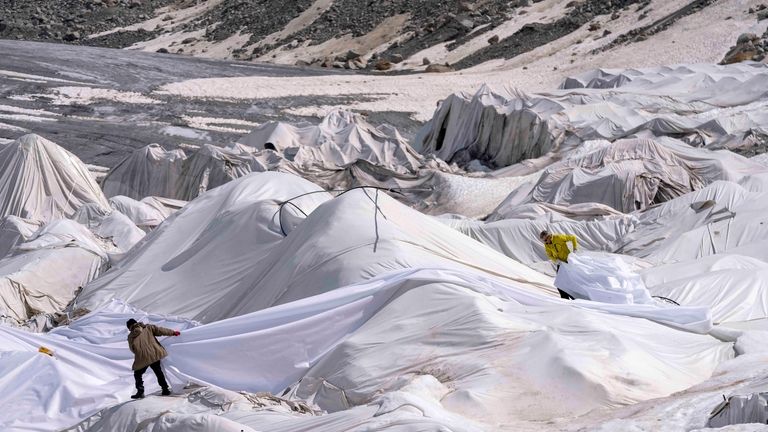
{"x": 90, "y": 369}
{"x": 510, "y": 351}
{"x": 747, "y": 404}
{"x": 202, "y": 252}
{"x": 191, "y": 411}
{"x": 148, "y": 171}
{"x": 211, "y": 166}
{"x": 733, "y": 287}
{"x": 499, "y": 128}
{"x": 225, "y": 253}
{"x": 147, "y": 213}
{"x": 45, "y": 273}
{"x": 111, "y": 226}
{"x": 340, "y": 139}
{"x": 715, "y": 106}
{"x": 41, "y": 181}
{"x": 15, "y": 230}
{"x": 604, "y": 278}
{"x": 723, "y": 217}
{"x": 519, "y": 238}
{"x": 629, "y": 175}
{"x": 274, "y": 348}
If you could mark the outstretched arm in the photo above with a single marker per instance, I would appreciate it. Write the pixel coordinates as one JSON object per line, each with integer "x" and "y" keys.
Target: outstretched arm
{"x": 162, "y": 331}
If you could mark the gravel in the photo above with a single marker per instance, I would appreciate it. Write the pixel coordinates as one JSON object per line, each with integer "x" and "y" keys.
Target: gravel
{"x": 70, "y": 20}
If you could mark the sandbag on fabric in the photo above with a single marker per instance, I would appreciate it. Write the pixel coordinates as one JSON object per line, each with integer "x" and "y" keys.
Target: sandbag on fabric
{"x": 601, "y": 277}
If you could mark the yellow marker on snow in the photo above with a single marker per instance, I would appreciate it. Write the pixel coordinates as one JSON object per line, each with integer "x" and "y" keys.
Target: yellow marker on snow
{"x": 45, "y": 350}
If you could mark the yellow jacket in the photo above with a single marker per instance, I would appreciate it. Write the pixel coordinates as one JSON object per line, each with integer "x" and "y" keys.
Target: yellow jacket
{"x": 557, "y": 249}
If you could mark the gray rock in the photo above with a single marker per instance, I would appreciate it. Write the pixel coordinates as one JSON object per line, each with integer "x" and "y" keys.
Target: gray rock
{"x": 746, "y": 37}
{"x": 396, "y": 58}
{"x": 438, "y": 68}
{"x": 72, "y": 36}
{"x": 425, "y": 61}
{"x": 739, "y": 53}
{"x": 383, "y": 65}
{"x": 351, "y": 55}
{"x": 467, "y": 23}
{"x": 493, "y": 39}
{"x": 359, "y": 63}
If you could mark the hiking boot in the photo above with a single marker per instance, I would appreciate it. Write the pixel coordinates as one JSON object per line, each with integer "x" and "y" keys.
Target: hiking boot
{"x": 139, "y": 395}
{"x": 166, "y": 392}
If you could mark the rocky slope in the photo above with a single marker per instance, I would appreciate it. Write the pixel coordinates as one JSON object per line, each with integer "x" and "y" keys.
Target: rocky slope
{"x": 378, "y": 35}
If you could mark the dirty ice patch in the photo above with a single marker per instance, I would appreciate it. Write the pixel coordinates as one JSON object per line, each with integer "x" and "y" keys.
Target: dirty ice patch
{"x": 24, "y": 118}
{"x": 228, "y": 125}
{"x": 34, "y": 78}
{"x": 12, "y": 128}
{"x": 25, "y": 98}
{"x": 185, "y": 132}
{"x": 27, "y": 111}
{"x": 89, "y": 95}
{"x": 416, "y": 94}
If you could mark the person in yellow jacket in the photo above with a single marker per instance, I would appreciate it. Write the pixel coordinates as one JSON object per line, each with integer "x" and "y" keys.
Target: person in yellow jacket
{"x": 556, "y": 246}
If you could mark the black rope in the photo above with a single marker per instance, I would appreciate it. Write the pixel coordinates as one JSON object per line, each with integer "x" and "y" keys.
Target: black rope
{"x": 279, "y": 212}
{"x": 668, "y": 300}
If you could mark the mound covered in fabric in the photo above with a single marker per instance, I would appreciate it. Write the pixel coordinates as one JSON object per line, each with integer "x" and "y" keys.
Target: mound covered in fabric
{"x": 148, "y": 171}
{"x": 238, "y": 248}
{"x": 628, "y": 175}
{"x": 340, "y": 139}
{"x": 41, "y": 181}
{"x": 45, "y": 273}
{"x": 460, "y": 345}
{"x": 704, "y": 105}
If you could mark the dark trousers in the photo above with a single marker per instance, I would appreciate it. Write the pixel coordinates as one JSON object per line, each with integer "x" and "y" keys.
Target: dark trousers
{"x": 137, "y": 375}
{"x": 563, "y": 294}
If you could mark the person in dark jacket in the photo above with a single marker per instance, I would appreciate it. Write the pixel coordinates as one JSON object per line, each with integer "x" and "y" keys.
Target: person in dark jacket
{"x": 147, "y": 351}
